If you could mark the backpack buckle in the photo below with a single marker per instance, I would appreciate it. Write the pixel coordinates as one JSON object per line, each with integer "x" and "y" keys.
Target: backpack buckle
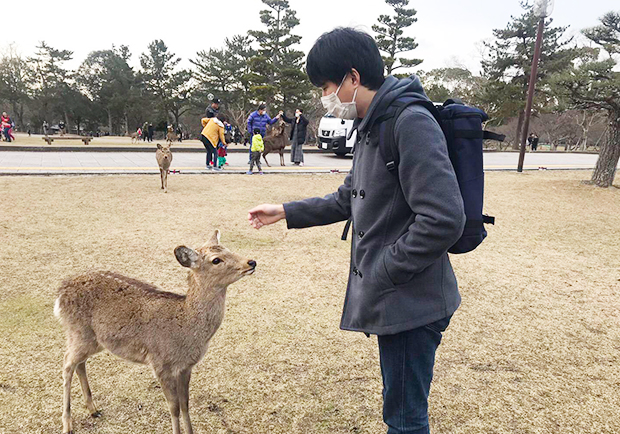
{"x": 391, "y": 166}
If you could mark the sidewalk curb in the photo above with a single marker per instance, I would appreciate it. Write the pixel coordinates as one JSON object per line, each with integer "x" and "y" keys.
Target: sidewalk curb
{"x": 4, "y": 148}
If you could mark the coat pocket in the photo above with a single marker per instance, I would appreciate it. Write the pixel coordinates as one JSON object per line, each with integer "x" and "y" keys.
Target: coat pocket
{"x": 380, "y": 274}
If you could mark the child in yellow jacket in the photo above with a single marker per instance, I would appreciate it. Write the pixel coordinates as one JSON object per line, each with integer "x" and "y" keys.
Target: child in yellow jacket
{"x": 257, "y": 149}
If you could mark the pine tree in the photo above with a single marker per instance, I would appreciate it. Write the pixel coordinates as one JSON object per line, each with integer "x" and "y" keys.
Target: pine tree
{"x": 170, "y": 88}
{"x": 106, "y": 77}
{"x": 594, "y": 84}
{"x": 277, "y": 74}
{"x": 509, "y": 62}
{"x": 49, "y": 81}
{"x": 390, "y": 37}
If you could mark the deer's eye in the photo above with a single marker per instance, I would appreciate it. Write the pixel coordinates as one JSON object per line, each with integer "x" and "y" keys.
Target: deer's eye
{"x": 216, "y": 261}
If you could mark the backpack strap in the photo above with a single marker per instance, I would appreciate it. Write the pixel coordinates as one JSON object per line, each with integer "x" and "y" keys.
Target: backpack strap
{"x": 387, "y": 129}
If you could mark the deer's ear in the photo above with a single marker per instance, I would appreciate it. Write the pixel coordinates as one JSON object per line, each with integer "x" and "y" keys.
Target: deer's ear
{"x": 159, "y": 146}
{"x": 215, "y": 239}
{"x": 186, "y": 256}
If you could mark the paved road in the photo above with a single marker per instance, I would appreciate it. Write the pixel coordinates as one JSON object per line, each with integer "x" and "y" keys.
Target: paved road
{"x": 20, "y": 162}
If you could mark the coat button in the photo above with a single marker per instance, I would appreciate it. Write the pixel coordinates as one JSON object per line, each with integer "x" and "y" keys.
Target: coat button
{"x": 362, "y": 194}
{"x": 361, "y": 234}
{"x": 355, "y": 271}
{"x": 354, "y": 193}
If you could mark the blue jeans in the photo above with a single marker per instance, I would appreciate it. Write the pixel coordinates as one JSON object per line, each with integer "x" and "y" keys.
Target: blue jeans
{"x": 407, "y": 361}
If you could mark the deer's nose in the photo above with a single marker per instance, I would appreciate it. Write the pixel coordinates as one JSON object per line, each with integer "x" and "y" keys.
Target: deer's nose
{"x": 252, "y": 263}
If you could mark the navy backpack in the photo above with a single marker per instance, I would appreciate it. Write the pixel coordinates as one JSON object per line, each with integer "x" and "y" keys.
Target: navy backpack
{"x": 462, "y": 126}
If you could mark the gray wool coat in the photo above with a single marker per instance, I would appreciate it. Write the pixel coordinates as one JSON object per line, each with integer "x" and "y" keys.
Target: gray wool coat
{"x": 400, "y": 277}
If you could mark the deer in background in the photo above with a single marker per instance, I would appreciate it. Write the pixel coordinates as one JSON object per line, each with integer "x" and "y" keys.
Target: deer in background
{"x": 171, "y": 136}
{"x": 276, "y": 141}
{"x": 144, "y": 324}
{"x": 164, "y": 159}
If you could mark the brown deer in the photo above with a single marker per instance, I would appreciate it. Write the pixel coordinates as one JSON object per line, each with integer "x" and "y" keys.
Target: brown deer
{"x": 143, "y": 324}
{"x": 171, "y": 136}
{"x": 276, "y": 141}
{"x": 164, "y": 159}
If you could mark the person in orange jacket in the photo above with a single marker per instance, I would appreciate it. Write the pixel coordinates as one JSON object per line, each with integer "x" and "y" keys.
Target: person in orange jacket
{"x": 212, "y": 132}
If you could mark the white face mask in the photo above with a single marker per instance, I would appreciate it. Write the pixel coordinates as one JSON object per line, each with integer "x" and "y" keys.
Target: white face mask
{"x": 297, "y": 114}
{"x": 333, "y": 105}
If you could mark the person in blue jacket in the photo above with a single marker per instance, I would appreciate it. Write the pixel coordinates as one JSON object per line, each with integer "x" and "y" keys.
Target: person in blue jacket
{"x": 260, "y": 119}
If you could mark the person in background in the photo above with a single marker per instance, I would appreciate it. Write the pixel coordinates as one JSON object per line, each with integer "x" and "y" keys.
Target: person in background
{"x": 535, "y": 142}
{"x": 6, "y": 126}
{"x": 256, "y": 149}
{"x": 213, "y": 109}
{"x": 221, "y": 156}
{"x": 151, "y": 130}
{"x": 212, "y": 133}
{"x": 298, "y": 135}
{"x": 145, "y": 131}
{"x": 260, "y": 119}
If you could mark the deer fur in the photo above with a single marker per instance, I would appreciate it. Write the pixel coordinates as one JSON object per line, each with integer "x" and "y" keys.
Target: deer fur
{"x": 164, "y": 159}
{"x": 144, "y": 324}
{"x": 276, "y": 141}
{"x": 135, "y": 137}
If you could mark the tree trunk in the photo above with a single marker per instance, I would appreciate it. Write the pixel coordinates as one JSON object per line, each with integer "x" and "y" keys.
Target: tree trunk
{"x": 607, "y": 162}
{"x": 67, "y": 126}
{"x": 517, "y": 142}
{"x": 110, "y": 121}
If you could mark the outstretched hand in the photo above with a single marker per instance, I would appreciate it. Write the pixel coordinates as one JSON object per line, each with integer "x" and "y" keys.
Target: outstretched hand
{"x": 265, "y": 214}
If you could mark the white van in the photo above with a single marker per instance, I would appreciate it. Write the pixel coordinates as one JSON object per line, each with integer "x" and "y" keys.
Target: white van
{"x": 333, "y": 135}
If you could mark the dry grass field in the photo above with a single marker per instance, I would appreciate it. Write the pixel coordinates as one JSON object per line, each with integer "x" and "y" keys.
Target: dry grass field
{"x": 534, "y": 348}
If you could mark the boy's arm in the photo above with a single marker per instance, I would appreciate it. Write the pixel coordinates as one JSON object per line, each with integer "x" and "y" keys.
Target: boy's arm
{"x": 431, "y": 189}
{"x": 319, "y": 211}
{"x": 222, "y": 135}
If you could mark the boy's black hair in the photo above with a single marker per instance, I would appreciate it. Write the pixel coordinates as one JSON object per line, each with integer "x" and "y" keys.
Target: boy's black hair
{"x": 337, "y": 52}
{"x": 262, "y": 106}
{"x": 256, "y": 130}
{"x": 221, "y": 117}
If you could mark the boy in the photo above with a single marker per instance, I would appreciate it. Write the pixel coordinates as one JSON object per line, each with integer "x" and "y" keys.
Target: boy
{"x": 221, "y": 156}
{"x": 257, "y": 149}
{"x": 401, "y": 285}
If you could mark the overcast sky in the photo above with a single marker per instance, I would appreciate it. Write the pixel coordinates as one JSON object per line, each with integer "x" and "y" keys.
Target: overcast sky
{"x": 449, "y": 32}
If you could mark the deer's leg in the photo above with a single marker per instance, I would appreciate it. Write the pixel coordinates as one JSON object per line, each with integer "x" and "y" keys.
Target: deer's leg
{"x": 184, "y": 399}
{"x": 265, "y": 158}
{"x": 67, "y": 375}
{"x": 171, "y": 391}
{"x": 164, "y": 175}
{"x": 81, "y": 372}
{"x": 161, "y": 175}
{"x": 281, "y": 157}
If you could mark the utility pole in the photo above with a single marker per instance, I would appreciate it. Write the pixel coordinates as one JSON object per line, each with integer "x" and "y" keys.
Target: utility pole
{"x": 542, "y": 9}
